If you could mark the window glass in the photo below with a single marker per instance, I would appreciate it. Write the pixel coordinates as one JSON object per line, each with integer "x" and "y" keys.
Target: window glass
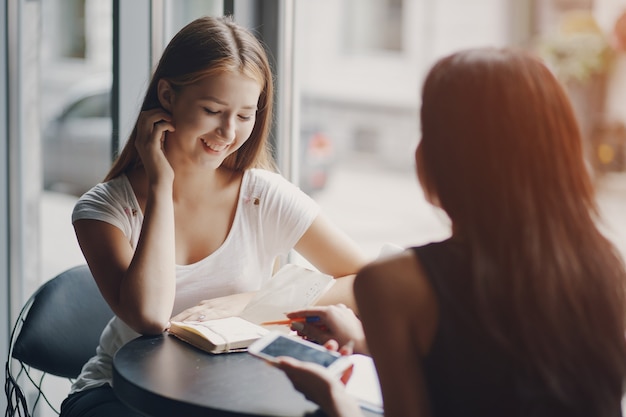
{"x": 75, "y": 73}
{"x": 74, "y": 55}
{"x": 76, "y": 125}
{"x": 373, "y": 26}
{"x": 92, "y": 106}
{"x": 178, "y": 13}
{"x": 366, "y": 103}
{"x": 359, "y": 82}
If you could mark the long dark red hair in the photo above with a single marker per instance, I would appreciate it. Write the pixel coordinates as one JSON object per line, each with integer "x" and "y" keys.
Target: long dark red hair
{"x": 501, "y": 152}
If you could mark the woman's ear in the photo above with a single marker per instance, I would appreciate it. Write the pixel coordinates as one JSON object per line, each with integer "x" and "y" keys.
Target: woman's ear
{"x": 165, "y": 93}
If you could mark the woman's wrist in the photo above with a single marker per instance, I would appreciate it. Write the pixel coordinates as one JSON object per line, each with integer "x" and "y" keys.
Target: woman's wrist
{"x": 161, "y": 186}
{"x": 360, "y": 346}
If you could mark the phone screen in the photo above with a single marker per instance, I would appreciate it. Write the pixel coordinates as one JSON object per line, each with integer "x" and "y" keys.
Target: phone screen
{"x": 283, "y": 346}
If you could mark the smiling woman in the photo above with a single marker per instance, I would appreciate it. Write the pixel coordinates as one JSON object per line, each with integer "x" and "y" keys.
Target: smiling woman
{"x": 219, "y": 110}
{"x": 191, "y": 217}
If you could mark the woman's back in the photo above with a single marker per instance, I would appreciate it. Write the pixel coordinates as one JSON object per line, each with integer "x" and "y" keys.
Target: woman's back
{"x": 529, "y": 314}
{"x": 522, "y": 311}
{"x": 467, "y": 372}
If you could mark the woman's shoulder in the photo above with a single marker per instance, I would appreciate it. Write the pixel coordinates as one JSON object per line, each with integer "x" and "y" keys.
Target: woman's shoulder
{"x": 110, "y": 196}
{"x": 262, "y": 181}
{"x": 443, "y": 257}
{"x": 396, "y": 266}
{"x": 118, "y": 188}
{"x": 398, "y": 285}
{"x": 113, "y": 202}
{"x": 254, "y": 175}
{"x": 392, "y": 277}
{"x": 411, "y": 262}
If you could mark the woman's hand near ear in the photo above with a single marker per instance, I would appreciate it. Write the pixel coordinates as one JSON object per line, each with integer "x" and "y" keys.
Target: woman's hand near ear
{"x": 152, "y": 126}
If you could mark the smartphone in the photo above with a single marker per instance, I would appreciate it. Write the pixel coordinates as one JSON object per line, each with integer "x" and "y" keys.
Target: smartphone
{"x": 276, "y": 344}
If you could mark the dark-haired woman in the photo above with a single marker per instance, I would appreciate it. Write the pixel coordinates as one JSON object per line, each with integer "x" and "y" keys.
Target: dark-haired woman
{"x": 520, "y": 312}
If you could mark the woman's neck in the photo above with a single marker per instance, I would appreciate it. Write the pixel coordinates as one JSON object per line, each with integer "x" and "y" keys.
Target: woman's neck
{"x": 188, "y": 183}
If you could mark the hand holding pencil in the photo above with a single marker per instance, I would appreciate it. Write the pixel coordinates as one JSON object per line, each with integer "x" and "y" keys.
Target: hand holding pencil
{"x": 307, "y": 319}
{"x": 323, "y": 323}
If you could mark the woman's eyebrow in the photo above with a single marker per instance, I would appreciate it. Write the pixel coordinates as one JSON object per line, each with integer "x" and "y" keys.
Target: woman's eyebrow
{"x": 223, "y": 103}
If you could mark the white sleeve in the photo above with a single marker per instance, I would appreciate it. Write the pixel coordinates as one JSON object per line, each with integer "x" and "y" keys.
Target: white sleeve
{"x": 105, "y": 203}
{"x": 286, "y": 212}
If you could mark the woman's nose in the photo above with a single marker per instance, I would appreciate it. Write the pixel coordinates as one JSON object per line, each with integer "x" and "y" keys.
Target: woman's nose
{"x": 227, "y": 128}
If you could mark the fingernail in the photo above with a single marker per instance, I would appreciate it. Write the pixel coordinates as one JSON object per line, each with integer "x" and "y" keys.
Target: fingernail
{"x": 297, "y": 326}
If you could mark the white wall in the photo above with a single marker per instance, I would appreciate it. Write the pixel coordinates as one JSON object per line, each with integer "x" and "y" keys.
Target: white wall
{"x": 431, "y": 29}
{"x": 361, "y": 98}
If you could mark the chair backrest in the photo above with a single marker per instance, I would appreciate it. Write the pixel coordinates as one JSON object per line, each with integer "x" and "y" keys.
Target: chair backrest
{"x": 56, "y": 332}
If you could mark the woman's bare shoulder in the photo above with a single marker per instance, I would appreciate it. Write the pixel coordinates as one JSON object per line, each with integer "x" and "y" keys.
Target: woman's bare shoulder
{"x": 399, "y": 266}
{"x": 397, "y": 285}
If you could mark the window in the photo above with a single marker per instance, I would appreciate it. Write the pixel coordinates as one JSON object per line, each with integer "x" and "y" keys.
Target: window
{"x": 373, "y": 26}
{"x": 98, "y": 105}
{"x": 363, "y": 95}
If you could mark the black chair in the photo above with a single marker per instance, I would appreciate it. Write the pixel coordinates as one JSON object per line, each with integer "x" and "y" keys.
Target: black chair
{"x": 56, "y": 332}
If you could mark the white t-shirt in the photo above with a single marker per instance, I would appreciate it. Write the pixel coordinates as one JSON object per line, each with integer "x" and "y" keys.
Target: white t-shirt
{"x": 271, "y": 216}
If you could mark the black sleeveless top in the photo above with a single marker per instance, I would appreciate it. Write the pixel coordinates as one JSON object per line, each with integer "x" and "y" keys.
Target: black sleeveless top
{"x": 466, "y": 373}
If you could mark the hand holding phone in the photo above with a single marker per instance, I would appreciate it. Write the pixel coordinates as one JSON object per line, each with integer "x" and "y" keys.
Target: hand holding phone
{"x": 276, "y": 344}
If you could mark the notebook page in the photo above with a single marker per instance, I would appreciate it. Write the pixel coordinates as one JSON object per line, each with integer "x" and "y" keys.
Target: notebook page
{"x": 293, "y": 287}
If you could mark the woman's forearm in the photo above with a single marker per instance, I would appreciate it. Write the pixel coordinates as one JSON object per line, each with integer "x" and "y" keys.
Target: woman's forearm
{"x": 149, "y": 286}
{"x": 340, "y": 293}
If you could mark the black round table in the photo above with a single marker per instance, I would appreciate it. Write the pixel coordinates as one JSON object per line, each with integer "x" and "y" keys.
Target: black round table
{"x": 163, "y": 376}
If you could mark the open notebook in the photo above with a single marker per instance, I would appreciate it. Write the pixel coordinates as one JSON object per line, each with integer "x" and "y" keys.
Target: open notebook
{"x": 293, "y": 287}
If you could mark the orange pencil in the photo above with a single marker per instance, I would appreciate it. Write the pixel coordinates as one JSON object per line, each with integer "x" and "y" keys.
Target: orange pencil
{"x": 308, "y": 319}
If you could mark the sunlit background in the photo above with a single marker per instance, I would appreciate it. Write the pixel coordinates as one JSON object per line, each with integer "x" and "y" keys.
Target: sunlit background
{"x": 348, "y": 79}
{"x": 358, "y": 68}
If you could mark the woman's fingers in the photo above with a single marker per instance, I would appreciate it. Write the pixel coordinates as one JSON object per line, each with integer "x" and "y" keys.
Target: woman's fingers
{"x": 215, "y": 308}
{"x": 197, "y": 315}
{"x": 152, "y": 126}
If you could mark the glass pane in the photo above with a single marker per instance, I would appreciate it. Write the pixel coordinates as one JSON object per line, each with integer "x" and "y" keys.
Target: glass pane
{"x": 365, "y": 104}
{"x": 373, "y": 26}
{"x": 76, "y": 125}
{"x": 98, "y": 105}
{"x": 75, "y": 57}
{"x": 178, "y": 13}
{"x": 75, "y": 85}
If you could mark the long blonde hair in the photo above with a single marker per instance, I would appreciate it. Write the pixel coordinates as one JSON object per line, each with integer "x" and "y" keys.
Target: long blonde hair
{"x": 206, "y": 47}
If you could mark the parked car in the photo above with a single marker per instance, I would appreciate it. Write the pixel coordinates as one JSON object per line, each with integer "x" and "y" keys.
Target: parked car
{"x": 77, "y": 143}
